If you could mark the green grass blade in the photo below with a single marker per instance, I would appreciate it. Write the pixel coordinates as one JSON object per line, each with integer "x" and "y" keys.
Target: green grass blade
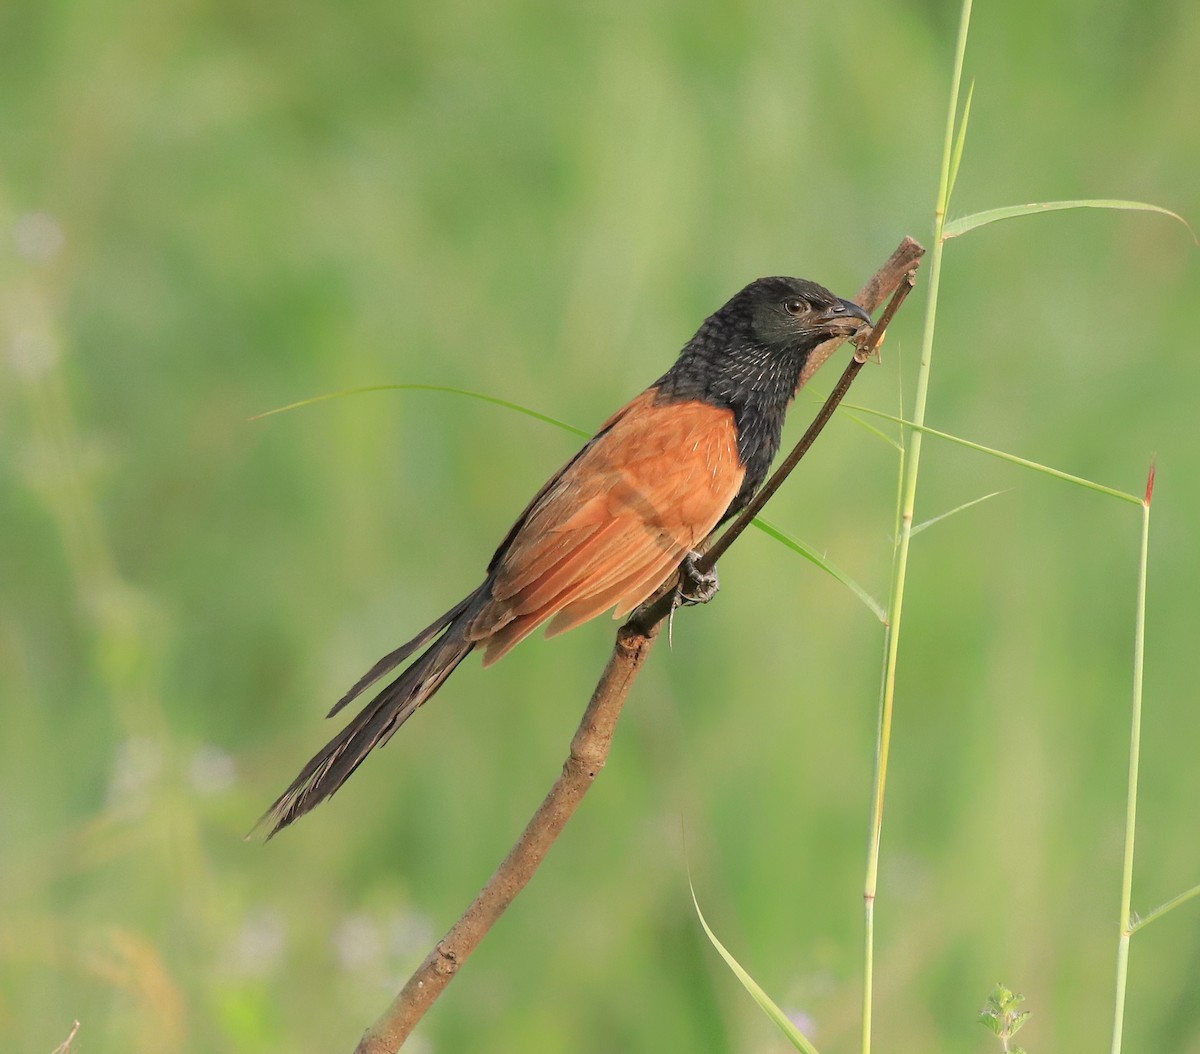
{"x": 767, "y": 528}
{"x": 426, "y": 388}
{"x": 1144, "y": 920}
{"x": 894, "y": 444}
{"x": 822, "y": 562}
{"x": 1079, "y": 481}
{"x": 960, "y": 142}
{"x": 979, "y": 219}
{"x": 957, "y": 509}
{"x": 769, "y": 1007}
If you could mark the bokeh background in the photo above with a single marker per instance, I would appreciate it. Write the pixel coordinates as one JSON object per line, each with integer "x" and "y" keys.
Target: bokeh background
{"x": 209, "y": 209}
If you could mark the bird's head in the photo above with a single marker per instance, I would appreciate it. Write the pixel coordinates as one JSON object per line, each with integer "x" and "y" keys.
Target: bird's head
{"x": 793, "y": 312}
{"x": 754, "y": 348}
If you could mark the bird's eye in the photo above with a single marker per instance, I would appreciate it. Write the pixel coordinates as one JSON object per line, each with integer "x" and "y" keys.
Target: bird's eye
{"x": 795, "y": 306}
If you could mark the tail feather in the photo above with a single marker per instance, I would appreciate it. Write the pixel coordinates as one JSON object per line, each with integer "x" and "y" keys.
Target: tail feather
{"x": 378, "y": 720}
{"x": 394, "y": 658}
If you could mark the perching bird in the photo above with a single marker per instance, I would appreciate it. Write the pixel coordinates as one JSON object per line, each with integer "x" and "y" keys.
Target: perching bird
{"x": 613, "y": 524}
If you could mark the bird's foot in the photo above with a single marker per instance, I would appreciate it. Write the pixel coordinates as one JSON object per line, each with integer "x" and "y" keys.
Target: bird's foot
{"x": 695, "y": 586}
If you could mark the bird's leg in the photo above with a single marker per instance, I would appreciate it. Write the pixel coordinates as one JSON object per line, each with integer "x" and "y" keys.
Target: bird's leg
{"x": 695, "y": 586}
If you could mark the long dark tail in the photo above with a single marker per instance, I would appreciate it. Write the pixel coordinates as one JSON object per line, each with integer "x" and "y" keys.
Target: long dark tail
{"x": 375, "y": 723}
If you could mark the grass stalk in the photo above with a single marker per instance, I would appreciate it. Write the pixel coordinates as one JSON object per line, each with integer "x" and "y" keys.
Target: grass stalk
{"x": 911, "y": 461}
{"x": 1127, "y": 925}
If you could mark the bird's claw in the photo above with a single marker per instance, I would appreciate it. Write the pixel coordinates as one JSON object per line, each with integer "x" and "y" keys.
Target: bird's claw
{"x": 695, "y": 586}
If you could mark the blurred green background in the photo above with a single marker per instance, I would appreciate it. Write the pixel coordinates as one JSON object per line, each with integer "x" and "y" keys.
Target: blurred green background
{"x": 212, "y": 209}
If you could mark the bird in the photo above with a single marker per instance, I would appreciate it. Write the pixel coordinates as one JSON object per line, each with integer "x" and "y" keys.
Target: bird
{"x": 613, "y": 525}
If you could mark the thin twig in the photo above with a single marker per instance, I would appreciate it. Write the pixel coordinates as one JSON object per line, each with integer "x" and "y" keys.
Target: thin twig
{"x": 589, "y": 751}
{"x": 65, "y": 1046}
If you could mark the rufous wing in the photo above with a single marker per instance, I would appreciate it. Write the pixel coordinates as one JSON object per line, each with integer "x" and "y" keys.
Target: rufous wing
{"x": 611, "y": 527}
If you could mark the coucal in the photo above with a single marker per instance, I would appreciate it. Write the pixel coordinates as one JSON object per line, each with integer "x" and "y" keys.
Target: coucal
{"x": 613, "y": 524}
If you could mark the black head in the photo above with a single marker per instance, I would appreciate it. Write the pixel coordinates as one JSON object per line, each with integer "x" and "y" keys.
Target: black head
{"x": 795, "y": 313}
{"x": 758, "y": 342}
{"x": 748, "y": 357}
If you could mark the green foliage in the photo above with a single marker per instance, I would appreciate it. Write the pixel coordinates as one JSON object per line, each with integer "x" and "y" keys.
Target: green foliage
{"x": 1002, "y": 1016}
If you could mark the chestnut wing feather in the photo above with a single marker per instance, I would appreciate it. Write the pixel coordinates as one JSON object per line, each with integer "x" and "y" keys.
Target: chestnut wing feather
{"x": 611, "y": 527}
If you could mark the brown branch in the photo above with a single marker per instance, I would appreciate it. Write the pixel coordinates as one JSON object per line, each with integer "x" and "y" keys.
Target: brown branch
{"x": 589, "y": 747}
{"x": 589, "y": 750}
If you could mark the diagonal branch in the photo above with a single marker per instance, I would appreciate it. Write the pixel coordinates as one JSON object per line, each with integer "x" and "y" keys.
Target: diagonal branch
{"x": 590, "y": 745}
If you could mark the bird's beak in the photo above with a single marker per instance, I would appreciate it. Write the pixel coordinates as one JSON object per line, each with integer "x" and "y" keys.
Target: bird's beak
{"x": 845, "y": 310}
{"x": 844, "y": 319}
{"x": 858, "y": 312}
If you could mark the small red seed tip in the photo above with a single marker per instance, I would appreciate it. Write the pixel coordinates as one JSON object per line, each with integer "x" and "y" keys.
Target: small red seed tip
{"x": 1150, "y": 481}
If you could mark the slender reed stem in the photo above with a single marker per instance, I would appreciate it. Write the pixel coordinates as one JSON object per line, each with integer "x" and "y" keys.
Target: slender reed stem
{"x": 910, "y": 467}
{"x": 1127, "y": 925}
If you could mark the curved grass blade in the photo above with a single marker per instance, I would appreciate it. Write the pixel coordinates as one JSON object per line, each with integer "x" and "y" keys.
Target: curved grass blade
{"x": 959, "y": 142}
{"x": 957, "y": 509}
{"x": 823, "y": 563}
{"x": 761, "y": 524}
{"x": 979, "y": 219}
{"x": 841, "y": 412}
{"x": 426, "y": 388}
{"x": 878, "y": 432}
{"x": 1138, "y": 921}
{"x": 1112, "y": 492}
{"x": 768, "y": 1006}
